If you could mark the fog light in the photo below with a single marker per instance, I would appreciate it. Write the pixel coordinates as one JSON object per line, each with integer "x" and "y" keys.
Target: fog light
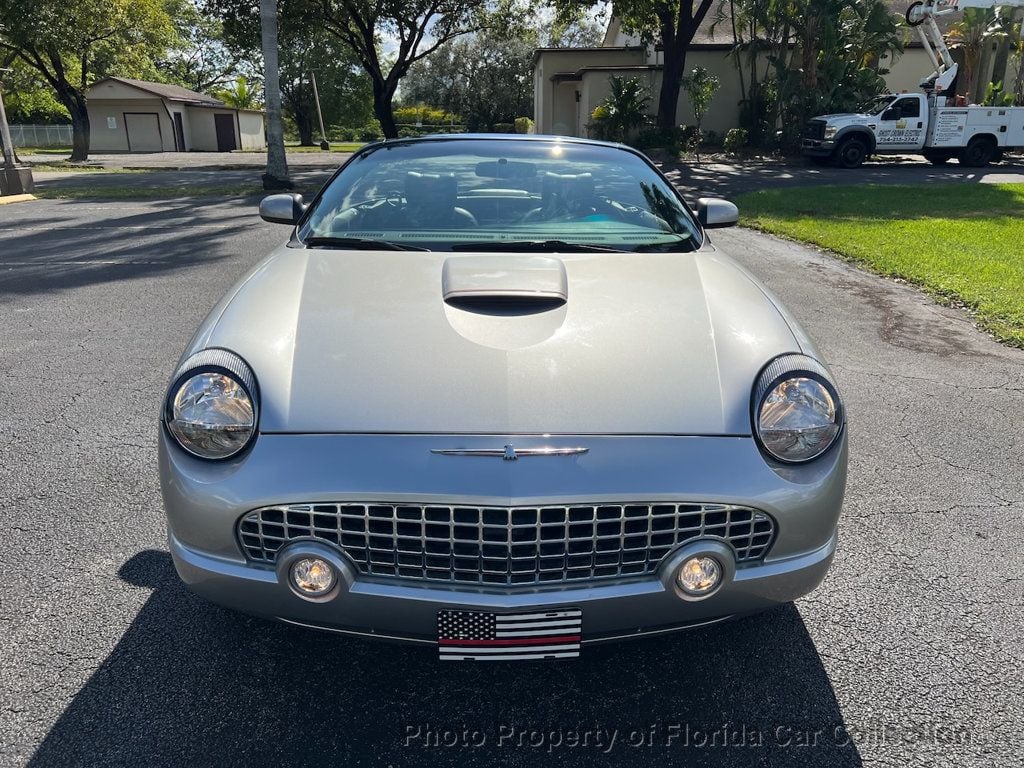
{"x": 699, "y": 576}
{"x": 312, "y": 576}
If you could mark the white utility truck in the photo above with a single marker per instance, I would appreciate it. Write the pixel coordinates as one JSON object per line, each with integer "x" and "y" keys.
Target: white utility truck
{"x": 930, "y": 123}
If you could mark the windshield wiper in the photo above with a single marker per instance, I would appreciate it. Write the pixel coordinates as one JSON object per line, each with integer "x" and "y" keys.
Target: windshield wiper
{"x": 360, "y": 243}
{"x": 547, "y": 246}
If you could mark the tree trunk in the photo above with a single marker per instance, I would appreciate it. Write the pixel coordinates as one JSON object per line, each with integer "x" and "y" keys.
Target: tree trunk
{"x": 999, "y": 66}
{"x": 276, "y": 176}
{"x": 981, "y": 82}
{"x": 304, "y": 124}
{"x": 80, "y": 129}
{"x": 671, "y": 80}
{"x": 383, "y": 94}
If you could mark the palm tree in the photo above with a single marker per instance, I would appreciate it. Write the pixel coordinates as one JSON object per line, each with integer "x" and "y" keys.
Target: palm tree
{"x": 241, "y": 95}
{"x": 276, "y": 176}
{"x": 973, "y": 36}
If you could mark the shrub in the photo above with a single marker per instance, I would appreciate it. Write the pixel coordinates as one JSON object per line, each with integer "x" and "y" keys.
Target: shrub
{"x": 370, "y": 132}
{"x": 711, "y": 139}
{"x": 424, "y": 114}
{"x": 735, "y": 140}
{"x": 504, "y": 128}
{"x": 524, "y": 125}
{"x": 622, "y": 112}
{"x": 659, "y": 138}
{"x": 701, "y": 87}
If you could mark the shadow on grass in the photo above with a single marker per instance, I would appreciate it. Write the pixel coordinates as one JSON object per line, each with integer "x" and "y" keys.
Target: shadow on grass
{"x": 192, "y": 684}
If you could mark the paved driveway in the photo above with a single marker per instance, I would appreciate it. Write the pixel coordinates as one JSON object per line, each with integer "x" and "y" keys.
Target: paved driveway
{"x": 908, "y": 655}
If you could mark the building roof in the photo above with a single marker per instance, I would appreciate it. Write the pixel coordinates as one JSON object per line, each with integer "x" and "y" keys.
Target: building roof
{"x": 167, "y": 91}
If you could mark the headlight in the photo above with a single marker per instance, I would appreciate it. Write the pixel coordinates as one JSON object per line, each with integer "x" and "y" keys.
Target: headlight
{"x": 797, "y": 412}
{"x": 831, "y": 131}
{"x": 212, "y": 407}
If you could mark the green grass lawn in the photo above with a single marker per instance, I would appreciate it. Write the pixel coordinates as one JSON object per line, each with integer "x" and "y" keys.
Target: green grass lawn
{"x": 44, "y": 150}
{"x": 962, "y": 243}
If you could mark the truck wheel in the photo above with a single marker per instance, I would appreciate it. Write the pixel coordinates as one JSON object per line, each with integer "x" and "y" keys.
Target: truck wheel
{"x": 851, "y": 153}
{"x": 978, "y": 153}
{"x": 938, "y": 156}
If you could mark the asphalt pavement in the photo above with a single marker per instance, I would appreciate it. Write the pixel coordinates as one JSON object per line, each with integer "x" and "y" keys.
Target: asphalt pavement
{"x": 909, "y": 654}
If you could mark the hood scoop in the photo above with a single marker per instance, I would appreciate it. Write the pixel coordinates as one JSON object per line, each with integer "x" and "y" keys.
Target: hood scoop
{"x": 504, "y": 285}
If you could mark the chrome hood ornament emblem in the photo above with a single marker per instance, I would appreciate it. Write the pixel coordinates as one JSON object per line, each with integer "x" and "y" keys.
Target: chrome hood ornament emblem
{"x": 510, "y": 452}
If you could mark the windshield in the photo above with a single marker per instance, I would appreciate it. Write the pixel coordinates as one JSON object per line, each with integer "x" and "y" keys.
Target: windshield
{"x": 876, "y": 104}
{"x": 500, "y": 194}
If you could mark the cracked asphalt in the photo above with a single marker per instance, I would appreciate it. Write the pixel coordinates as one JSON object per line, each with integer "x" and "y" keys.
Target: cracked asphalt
{"x": 909, "y": 654}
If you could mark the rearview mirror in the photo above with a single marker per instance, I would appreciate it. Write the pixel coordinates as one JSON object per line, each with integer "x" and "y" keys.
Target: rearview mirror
{"x": 714, "y": 213}
{"x": 505, "y": 169}
{"x": 282, "y": 209}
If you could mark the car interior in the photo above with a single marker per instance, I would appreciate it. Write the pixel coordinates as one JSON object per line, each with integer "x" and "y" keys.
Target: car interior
{"x": 420, "y": 200}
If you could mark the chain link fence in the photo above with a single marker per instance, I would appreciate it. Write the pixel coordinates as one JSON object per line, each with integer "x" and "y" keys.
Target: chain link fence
{"x": 41, "y": 135}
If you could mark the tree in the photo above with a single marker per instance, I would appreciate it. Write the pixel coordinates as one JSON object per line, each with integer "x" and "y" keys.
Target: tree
{"x": 27, "y": 96}
{"x": 785, "y": 55}
{"x": 972, "y": 37}
{"x": 486, "y": 77}
{"x": 344, "y": 88}
{"x": 701, "y": 87}
{"x": 418, "y": 27}
{"x": 276, "y": 176}
{"x": 672, "y": 23}
{"x": 71, "y": 43}
{"x": 303, "y": 47}
{"x": 240, "y": 95}
{"x": 199, "y": 59}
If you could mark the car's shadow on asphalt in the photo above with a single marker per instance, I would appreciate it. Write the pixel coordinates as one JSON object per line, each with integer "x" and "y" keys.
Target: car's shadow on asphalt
{"x": 191, "y": 684}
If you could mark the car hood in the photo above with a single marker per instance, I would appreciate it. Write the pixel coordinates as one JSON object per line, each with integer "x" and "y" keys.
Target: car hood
{"x": 845, "y": 117}
{"x": 361, "y": 341}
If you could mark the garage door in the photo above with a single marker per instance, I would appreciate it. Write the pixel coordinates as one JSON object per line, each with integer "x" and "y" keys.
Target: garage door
{"x": 143, "y": 132}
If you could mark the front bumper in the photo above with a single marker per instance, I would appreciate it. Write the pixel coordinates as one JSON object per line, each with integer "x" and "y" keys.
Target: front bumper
{"x": 818, "y": 147}
{"x": 408, "y": 612}
{"x": 204, "y": 502}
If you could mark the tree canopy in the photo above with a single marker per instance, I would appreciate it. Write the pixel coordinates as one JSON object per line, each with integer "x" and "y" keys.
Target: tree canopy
{"x": 304, "y": 46}
{"x": 486, "y": 77}
{"x": 72, "y": 43}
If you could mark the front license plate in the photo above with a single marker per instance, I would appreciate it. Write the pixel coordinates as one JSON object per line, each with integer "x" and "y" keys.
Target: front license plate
{"x": 483, "y": 636}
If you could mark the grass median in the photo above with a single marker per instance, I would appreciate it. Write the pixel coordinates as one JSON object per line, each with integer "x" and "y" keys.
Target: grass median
{"x": 963, "y": 243}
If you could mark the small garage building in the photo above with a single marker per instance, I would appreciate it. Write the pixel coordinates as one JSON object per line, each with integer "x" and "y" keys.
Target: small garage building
{"x": 139, "y": 116}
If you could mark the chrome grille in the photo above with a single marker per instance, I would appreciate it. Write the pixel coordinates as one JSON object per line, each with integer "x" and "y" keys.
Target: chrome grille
{"x": 503, "y": 545}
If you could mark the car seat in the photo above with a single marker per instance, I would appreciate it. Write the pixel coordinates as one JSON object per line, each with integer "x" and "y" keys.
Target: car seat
{"x": 565, "y": 195}
{"x": 431, "y": 202}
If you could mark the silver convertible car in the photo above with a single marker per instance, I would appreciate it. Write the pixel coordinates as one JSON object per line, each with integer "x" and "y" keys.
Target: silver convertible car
{"x": 502, "y": 395}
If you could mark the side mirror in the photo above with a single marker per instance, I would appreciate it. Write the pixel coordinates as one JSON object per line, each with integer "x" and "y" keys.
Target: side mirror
{"x": 715, "y": 214}
{"x": 282, "y": 209}
{"x": 891, "y": 114}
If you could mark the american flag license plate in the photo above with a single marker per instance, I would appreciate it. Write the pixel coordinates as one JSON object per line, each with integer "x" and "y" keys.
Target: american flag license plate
{"x": 481, "y": 636}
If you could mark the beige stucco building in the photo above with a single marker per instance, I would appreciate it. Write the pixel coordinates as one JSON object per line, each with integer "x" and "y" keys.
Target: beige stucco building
{"x": 570, "y": 82}
{"x": 138, "y": 116}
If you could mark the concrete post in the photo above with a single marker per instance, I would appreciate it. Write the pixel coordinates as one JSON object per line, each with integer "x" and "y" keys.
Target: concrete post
{"x": 15, "y": 179}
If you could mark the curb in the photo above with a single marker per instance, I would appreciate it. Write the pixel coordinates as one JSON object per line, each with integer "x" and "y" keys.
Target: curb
{"x": 6, "y": 199}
